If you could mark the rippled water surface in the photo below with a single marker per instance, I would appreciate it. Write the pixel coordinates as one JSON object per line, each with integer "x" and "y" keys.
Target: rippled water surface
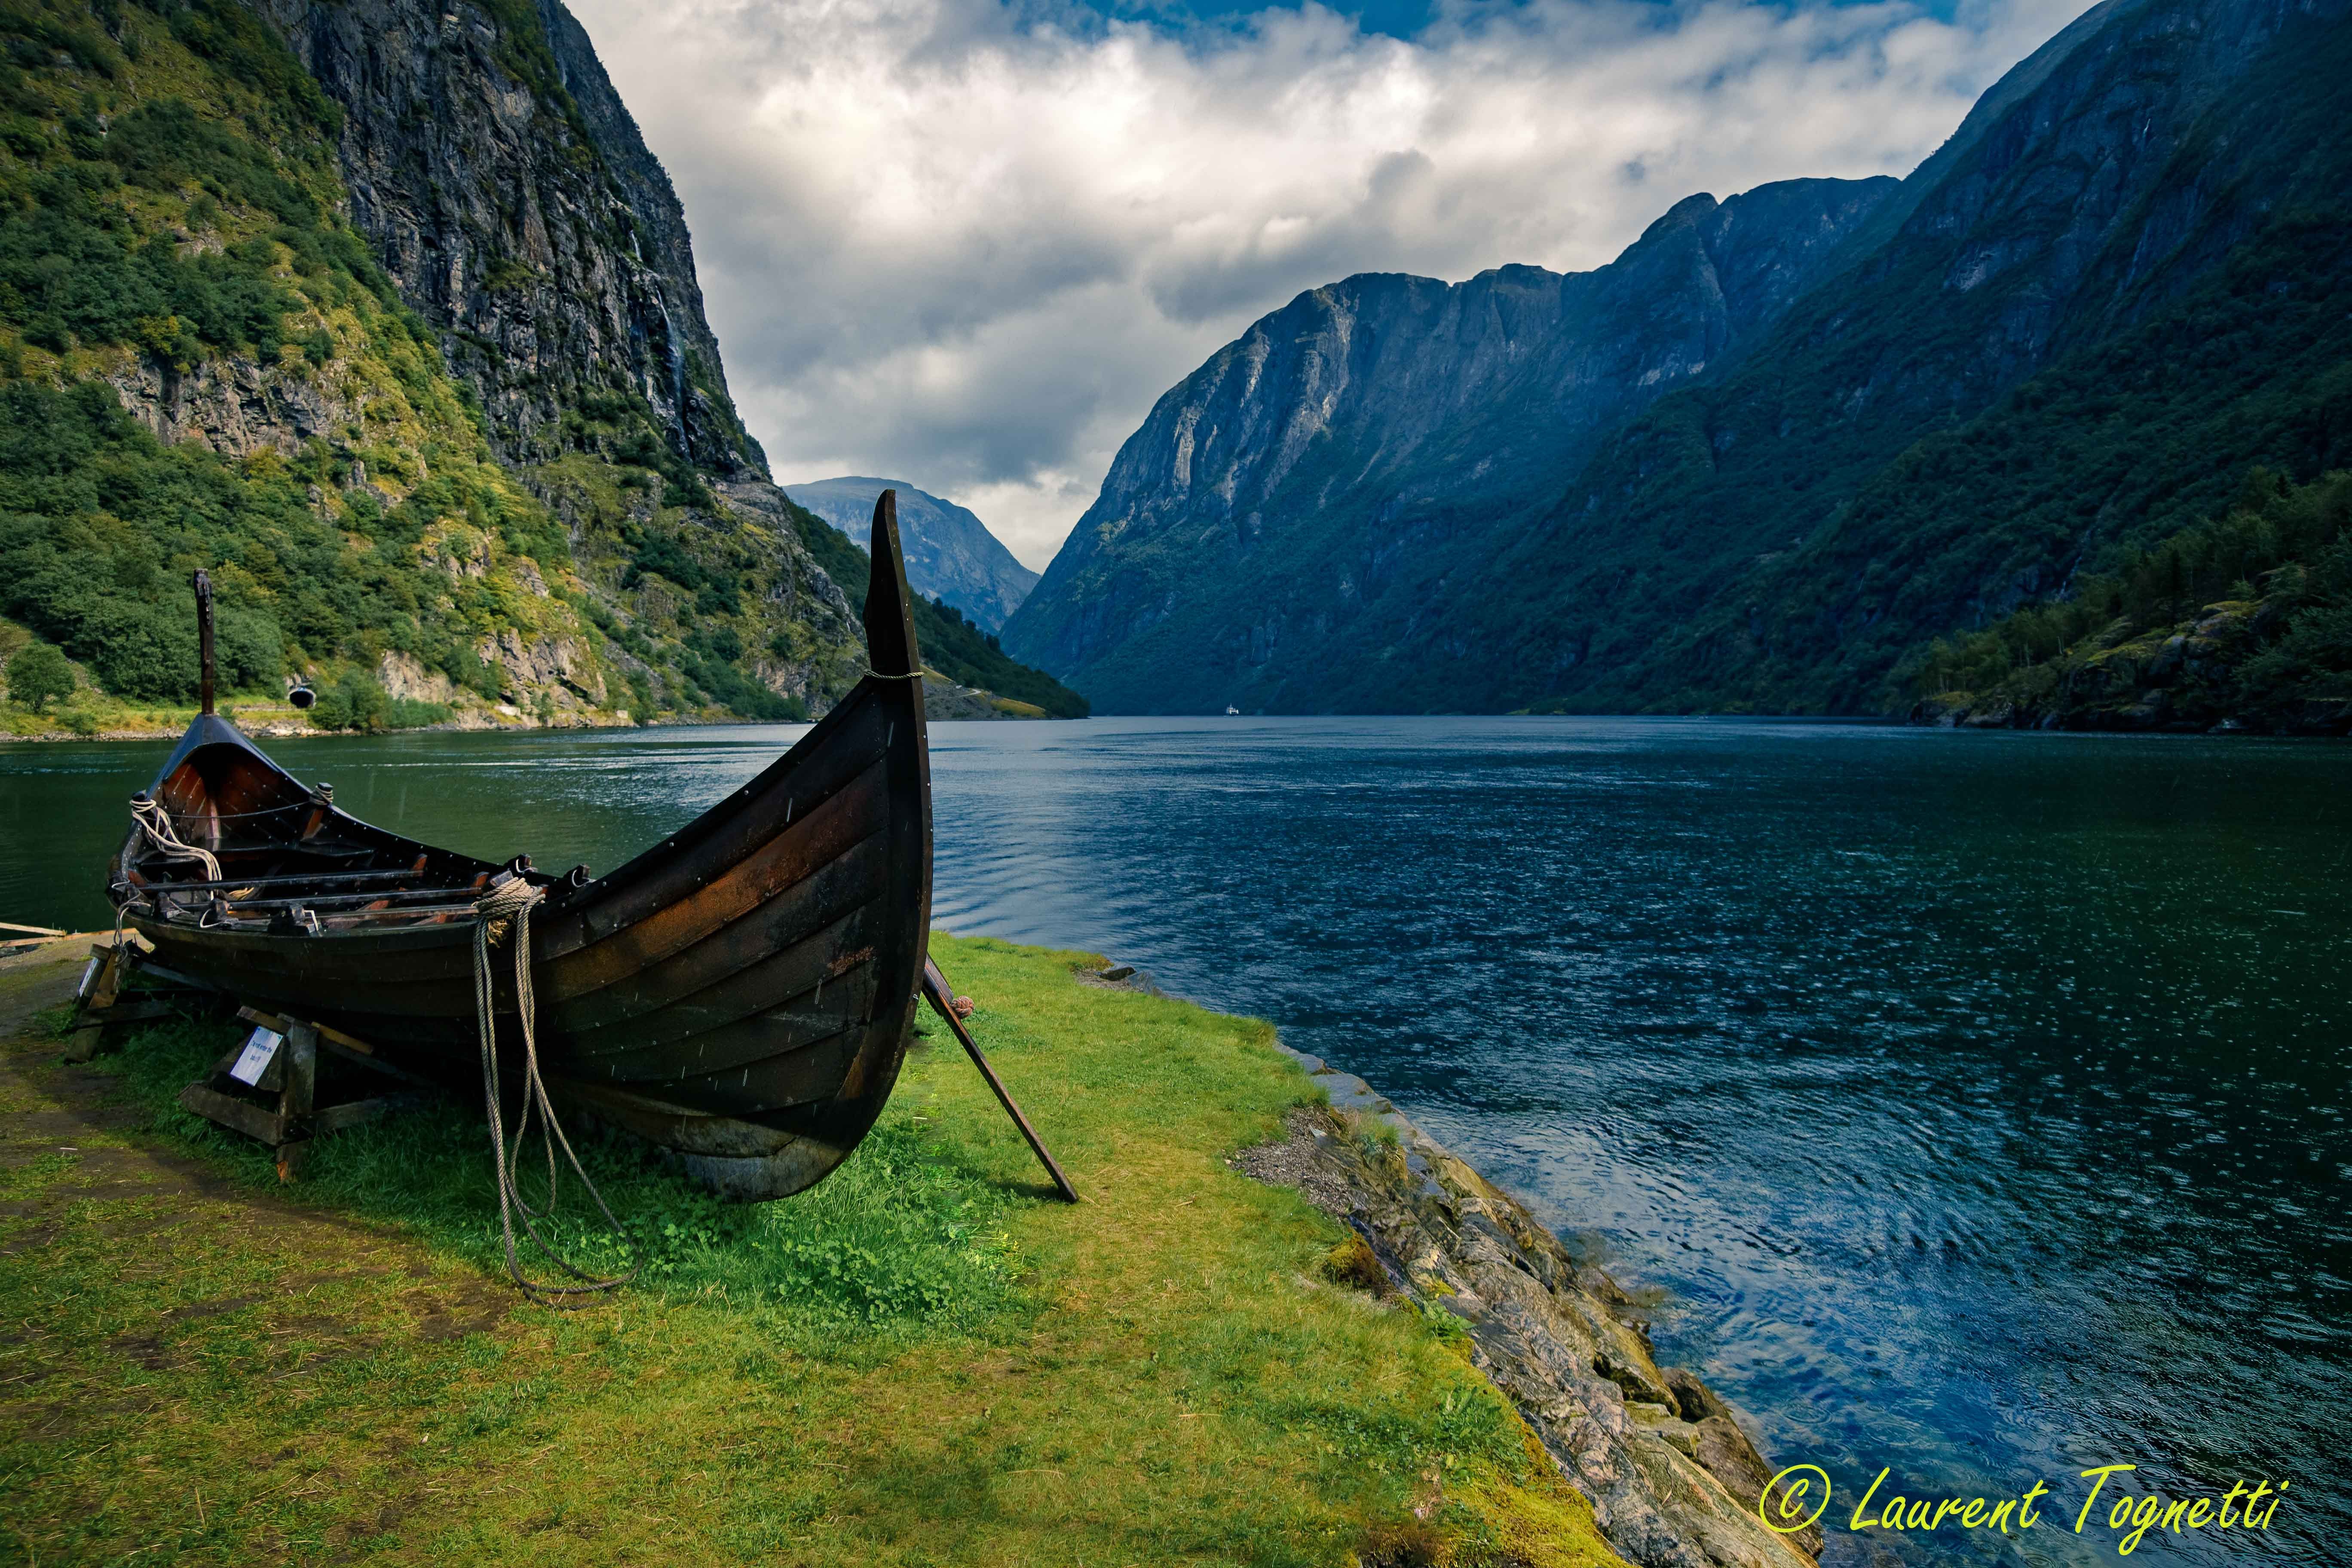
{"x": 1976, "y": 1105}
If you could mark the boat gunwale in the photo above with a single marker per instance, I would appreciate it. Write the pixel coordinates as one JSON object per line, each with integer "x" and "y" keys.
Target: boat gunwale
{"x": 570, "y": 902}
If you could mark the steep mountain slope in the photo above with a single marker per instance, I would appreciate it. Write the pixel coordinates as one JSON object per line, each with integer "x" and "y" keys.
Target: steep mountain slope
{"x": 951, "y": 554}
{"x": 1356, "y": 436}
{"x": 382, "y": 311}
{"x": 2131, "y": 289}
{"x": 952, "y": 646}
{"x": 204, "y": 365}
{"x": 2069, "y": 334}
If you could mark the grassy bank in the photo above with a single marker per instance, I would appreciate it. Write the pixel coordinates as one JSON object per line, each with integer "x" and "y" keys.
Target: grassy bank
{"x": 924, "y": 1360}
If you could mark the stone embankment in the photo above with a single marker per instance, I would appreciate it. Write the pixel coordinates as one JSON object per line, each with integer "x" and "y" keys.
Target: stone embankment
{"x": 1673, "y": 1479}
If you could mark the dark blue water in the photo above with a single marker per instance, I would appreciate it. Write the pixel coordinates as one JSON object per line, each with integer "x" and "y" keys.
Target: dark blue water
{"x": 1974, "y": 1105}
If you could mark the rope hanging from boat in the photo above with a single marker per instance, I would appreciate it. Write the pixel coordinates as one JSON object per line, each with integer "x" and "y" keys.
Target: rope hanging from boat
{"x": 156, "y": 824}
{"x": 503, "y": 916}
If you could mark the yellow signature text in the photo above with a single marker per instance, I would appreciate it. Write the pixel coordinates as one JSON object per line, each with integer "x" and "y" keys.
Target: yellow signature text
{"x": 1800, "y": 1494}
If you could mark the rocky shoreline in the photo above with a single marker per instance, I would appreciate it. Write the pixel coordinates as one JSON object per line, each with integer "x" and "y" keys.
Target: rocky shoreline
{"x": 1672, "y": 1477}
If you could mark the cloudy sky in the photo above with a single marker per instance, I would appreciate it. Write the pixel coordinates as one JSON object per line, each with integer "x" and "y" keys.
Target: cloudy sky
{"x": 967, "y": 244}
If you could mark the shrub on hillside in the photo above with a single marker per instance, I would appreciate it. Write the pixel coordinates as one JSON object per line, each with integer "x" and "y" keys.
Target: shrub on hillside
{"x": 39, "y": 676}
{"x": 354, "y": 702}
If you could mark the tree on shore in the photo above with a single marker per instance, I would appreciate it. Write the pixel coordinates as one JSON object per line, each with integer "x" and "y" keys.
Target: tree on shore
{"x": 39, "y": 676}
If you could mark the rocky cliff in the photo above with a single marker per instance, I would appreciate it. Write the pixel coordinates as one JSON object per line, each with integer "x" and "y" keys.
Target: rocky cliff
{"x": 512, "y": 201}
{"x": 1363, "y": 431}
{"x": 2074, "y": 330}
{"x": 950, "y": 553}
{"x": 402, "y": 314}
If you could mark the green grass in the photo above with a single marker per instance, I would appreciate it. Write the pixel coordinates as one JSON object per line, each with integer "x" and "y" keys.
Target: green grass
{"x": 906, "y": 1237}
{"x": 925, "y": 1360}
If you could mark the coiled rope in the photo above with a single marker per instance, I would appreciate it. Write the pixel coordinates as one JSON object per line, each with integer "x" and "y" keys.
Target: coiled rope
{"x": 156, "y": 824}
{"x": 503, "y": 916}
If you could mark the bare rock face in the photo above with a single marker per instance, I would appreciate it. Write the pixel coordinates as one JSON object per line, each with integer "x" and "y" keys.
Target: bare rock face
{"x": 233, "y": 405}
{"x": 458, "y": 552}
{"x": 558, "y": 665}
{"x": 513, "y": 200}
{"x": 404, "y": 680}
{"x": 1673, "y": 1479}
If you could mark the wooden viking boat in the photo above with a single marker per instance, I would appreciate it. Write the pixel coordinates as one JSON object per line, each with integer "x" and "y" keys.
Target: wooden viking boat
{"x": 741, "y": 995}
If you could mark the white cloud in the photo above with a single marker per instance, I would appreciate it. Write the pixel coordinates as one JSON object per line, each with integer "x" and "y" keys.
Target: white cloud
{"x": 945, "y": 244}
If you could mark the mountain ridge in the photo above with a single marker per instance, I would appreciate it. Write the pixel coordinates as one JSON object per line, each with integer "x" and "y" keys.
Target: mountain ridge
{"x": 1499, "y": 374}
{"x": 950, "y": 553}
{"x": 1683, "y": 560}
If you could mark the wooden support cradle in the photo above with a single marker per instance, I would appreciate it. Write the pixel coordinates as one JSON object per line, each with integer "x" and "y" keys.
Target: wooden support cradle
{"x": 107, "y": 996}
{"x": 97, "y": 1000}
{"x": 296, "y": 1119}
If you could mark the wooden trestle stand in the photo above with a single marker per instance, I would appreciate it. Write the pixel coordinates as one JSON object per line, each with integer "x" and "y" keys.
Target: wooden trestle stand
{"x": 291, "y": 1076}
{"x": 275, "y": 1101}
{"x": 279, "y": 1106}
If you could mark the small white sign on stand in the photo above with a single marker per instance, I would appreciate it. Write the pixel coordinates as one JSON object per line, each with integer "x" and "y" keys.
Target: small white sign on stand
{"x": 261, "y": 1050}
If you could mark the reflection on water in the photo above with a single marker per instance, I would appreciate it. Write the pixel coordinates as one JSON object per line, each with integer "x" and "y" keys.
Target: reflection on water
{"x": 1979, "y": 1101}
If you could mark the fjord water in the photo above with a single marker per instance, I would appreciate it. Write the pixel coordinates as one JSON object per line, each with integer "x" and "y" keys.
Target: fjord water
{"x": 1971, "y": 1105}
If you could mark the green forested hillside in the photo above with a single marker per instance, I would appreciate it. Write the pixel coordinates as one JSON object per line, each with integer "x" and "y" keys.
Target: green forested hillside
{"x": 100, "y": 525}
{"x": 169, "y": 205}
{"x": 2243, "y": 621}
{"x": 202, "y": 364}
{"x": 2078, "y": 470}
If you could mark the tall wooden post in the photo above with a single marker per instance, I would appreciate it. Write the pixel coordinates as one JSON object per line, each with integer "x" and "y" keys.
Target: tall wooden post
{"x": 204, "y": 634}
{"x": 297, "y": 1099}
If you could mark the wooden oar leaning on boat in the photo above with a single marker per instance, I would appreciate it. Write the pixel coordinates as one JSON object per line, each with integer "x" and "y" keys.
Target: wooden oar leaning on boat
{"x": 943, "y": 1001}
{"x": 742, "y": 995}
